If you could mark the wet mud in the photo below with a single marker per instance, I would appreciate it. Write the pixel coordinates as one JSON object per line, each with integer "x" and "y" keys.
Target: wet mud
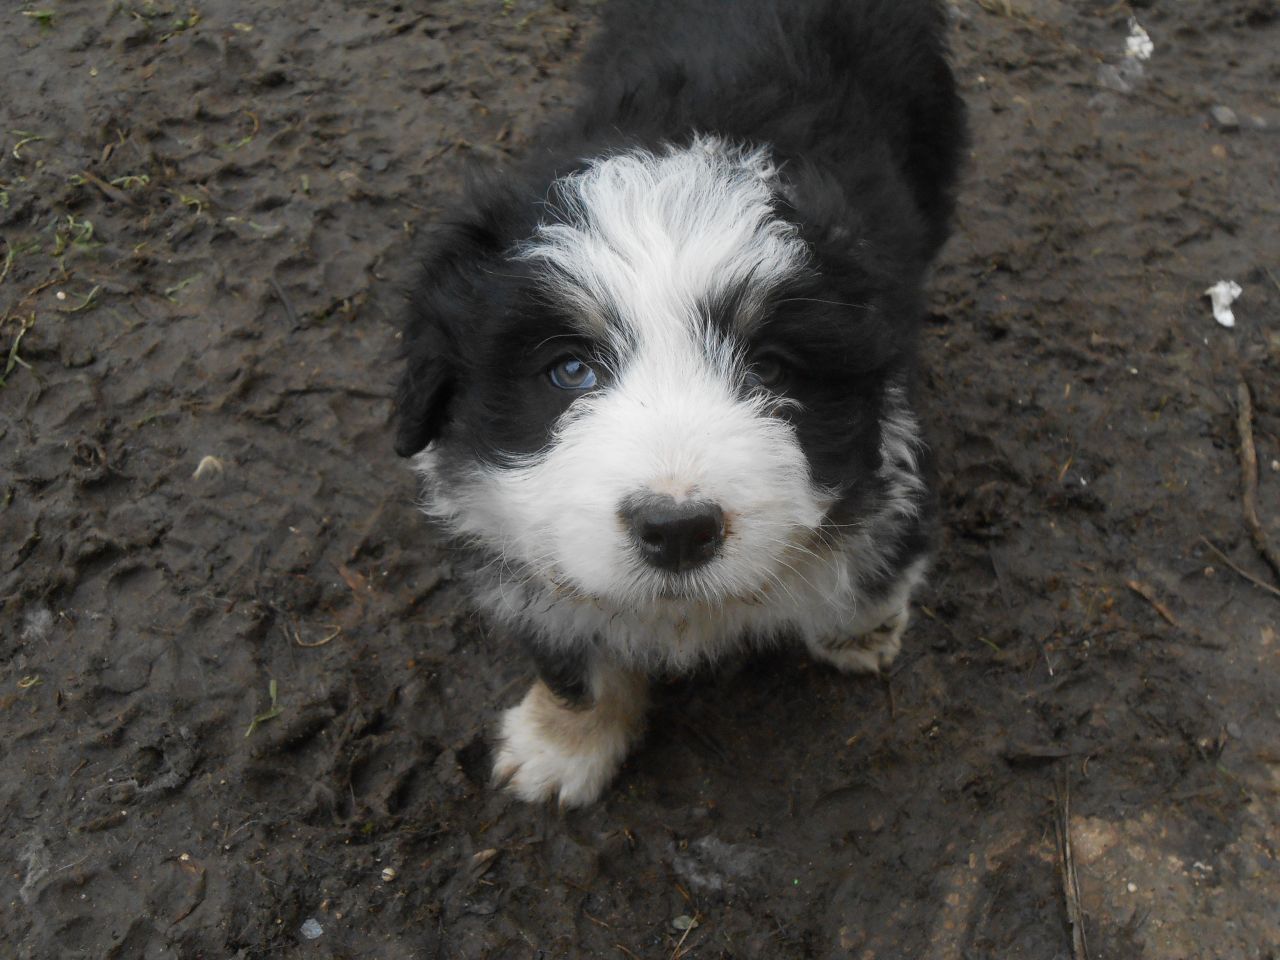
{"x": 244, "y": 710}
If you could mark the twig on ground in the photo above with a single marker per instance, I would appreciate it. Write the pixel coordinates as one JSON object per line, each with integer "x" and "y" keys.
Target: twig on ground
{"x": 297, "y": 638}
{"x": 1070, "y": 879}
{"x": 677, "y": 954}
{"x": 1249, "y": 474}
{"x": 1148, "y": 593}
{"x": 1226, "y": 561}
{"x": 1272, "y": 275}
{"x": 1190, "y": 635}
{"x": 108, "y": 190}
{"x": 441, "y": 151}
{"x": 285, "y": 301}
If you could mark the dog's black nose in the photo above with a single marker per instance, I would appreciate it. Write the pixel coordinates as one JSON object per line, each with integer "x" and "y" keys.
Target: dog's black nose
{"x": 675, "y": 535}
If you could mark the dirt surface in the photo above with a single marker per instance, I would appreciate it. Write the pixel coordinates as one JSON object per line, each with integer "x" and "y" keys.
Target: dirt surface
{"x": 204, "y": 213}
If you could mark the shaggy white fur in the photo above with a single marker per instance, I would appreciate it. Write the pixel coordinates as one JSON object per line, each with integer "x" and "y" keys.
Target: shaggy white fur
{"x": 549, "y": 751}
{"x": 636, "y": 247}
{"x": 649, "y": 237}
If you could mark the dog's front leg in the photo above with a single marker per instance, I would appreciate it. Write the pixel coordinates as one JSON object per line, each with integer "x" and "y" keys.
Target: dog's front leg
{"x": 866, "y": 648}
{"x": 569, "y": 735}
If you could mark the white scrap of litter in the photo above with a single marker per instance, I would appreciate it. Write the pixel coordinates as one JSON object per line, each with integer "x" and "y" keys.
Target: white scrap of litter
{"x": 37, "y": 625}
{"x": 1138, "y": 44}
{"x": 1126, "y": 73}
{"x": 208, "y": 465}
{"x": 1222, "y": 294}
{"x": 311, "y": 928}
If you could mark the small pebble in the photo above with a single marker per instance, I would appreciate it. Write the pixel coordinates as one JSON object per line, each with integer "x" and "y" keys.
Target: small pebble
{"x": 684, "y": 922}
{"x": 1133, "y": 887}
{"x": 388, "y": 874}
{"x": 311, "y": 928}
{"x": 208, "y": 465}
{"x": 1224, "y": 117}
{"x": 1234, "y": 731}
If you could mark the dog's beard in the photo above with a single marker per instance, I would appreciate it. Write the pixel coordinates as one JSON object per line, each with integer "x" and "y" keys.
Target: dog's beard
{"x": 624, "y": 581}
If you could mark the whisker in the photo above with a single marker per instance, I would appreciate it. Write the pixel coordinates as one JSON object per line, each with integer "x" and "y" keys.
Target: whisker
{"x": 834, "y": 303}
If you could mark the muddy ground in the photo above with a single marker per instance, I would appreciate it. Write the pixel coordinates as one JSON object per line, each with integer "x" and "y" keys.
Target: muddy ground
{"x": 204, "y": 213}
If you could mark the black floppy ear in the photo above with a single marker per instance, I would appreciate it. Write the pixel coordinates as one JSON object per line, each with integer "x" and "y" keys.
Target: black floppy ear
{"x": 447, "y": 301}
{"x": 422, "y": 404}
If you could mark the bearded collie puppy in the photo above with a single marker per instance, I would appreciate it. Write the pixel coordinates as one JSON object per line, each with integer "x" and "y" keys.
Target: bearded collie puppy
{"x": 659, "y": 377}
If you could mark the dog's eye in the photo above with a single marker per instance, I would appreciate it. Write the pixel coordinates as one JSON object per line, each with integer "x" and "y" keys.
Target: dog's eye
{"x": 572, "y": 374}
{"x": 765, "y": 373}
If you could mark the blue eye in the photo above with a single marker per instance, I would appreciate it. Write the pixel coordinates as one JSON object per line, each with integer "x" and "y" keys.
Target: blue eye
{"x": 572, "y": 374}
{"x": 765, "y": 373}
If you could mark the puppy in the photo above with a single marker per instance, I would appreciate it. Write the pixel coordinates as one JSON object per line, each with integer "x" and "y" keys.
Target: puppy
{"x": 659, "y": 378}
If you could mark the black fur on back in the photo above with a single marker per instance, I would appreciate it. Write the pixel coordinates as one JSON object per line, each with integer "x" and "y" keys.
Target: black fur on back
{"x": 851, "y": 91}
{"x": 859, "y": 107}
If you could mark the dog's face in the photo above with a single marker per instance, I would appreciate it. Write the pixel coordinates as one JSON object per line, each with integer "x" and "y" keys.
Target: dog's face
{"x": 671, "y": 381}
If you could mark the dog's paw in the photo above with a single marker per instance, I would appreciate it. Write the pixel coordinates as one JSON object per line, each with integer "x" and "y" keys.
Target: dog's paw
{"x": 869, "y": 652}
{"x": 547, "y": 751}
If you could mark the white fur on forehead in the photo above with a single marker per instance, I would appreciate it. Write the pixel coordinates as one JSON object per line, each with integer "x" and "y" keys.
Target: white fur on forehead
{"x": 648, "y": 237}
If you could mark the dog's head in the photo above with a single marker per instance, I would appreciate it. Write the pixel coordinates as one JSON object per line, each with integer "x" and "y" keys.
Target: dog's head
{"x": 671, "y": 378}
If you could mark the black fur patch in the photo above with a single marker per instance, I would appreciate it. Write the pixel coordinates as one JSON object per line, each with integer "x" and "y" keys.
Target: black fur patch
{"x": 859, "y": 107}
{"x": 565, "y": 672}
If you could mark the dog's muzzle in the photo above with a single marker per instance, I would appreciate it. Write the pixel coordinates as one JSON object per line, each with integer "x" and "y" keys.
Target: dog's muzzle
{"x": 674, "y": 535}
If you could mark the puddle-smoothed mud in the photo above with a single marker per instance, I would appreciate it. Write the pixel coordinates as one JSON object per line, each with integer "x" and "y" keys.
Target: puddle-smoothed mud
{"x": 205, "y": 211}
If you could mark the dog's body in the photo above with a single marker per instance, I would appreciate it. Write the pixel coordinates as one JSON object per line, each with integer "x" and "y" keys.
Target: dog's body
{"x": 660, "y": 379}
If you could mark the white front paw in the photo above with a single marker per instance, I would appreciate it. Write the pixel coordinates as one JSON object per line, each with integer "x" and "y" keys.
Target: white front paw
{"x": 548, "y": 751}
{"x": 870, "y": 652}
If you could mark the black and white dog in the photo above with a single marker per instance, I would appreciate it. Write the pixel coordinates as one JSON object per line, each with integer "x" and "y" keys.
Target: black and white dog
{"x": 659, "y": 380}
